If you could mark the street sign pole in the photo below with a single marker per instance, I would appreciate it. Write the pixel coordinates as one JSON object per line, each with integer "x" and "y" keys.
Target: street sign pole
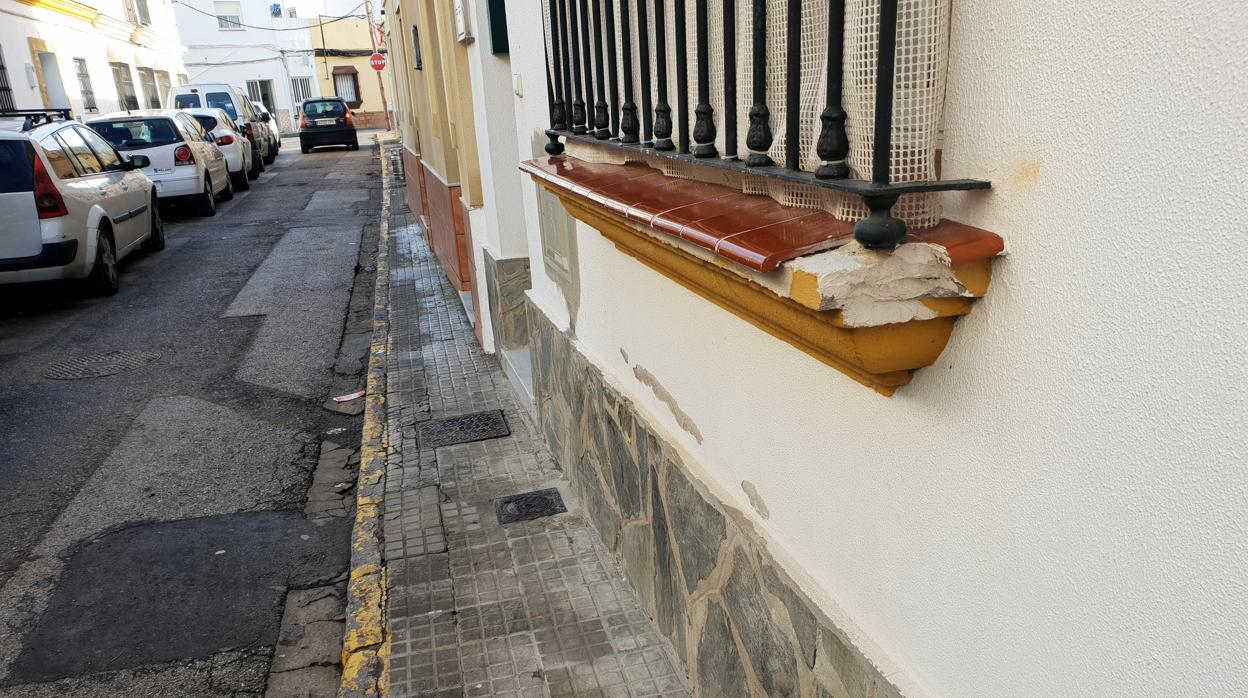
{"x": 381, "y": 85}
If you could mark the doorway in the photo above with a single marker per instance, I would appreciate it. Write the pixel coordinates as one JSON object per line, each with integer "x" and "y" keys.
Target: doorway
{"x": 50, "y": 80}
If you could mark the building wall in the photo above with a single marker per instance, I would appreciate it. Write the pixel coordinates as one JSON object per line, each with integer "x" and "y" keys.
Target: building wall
{"x": 102, "y": 36}
{"x": 350, "y": 35}
{"x": 1054, "y": 508}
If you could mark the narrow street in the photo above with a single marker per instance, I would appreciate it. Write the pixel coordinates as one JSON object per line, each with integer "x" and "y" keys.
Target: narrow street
{"x": 177, "y": 477}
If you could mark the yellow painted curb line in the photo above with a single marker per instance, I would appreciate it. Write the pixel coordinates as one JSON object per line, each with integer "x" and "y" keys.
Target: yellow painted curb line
{"x": 366, "y": 647}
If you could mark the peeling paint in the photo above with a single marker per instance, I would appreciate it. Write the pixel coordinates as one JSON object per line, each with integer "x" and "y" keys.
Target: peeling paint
{"x": 756, "y": 500}
{"x": 682, "y": 419}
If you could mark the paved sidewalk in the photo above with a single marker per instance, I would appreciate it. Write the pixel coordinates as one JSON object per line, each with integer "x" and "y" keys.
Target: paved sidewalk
{"x": 475, "y": 608}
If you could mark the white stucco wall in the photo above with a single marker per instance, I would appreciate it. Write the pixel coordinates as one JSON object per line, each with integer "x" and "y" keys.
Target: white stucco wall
{"x": 1058, "y": 506}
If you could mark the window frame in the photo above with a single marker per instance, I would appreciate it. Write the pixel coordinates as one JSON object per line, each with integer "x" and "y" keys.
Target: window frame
{"x": 228, "y": 22}
{"x": 85, "y": 88}
{"x": 61, "y": 148}
{"x": 144, "y": 13}
{"x": 88, "y": 136}
{"x": 83, "y": 169}
{"x": 124, "y": 80}
{"x": 355, "y": 82}
{"x": 147, "y": 81}
{"x": 6, "y": 89}
{"x": 304, "y": 93}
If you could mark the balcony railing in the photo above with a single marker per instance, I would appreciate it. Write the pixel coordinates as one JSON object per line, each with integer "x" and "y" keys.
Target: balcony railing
{"x": 604, "y": 54}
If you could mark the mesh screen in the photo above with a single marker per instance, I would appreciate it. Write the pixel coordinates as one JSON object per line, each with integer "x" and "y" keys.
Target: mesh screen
{"x": 922, "y": 54}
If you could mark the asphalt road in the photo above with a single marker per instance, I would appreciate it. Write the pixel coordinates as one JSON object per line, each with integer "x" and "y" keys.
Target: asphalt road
{"x": 151, "y": 520}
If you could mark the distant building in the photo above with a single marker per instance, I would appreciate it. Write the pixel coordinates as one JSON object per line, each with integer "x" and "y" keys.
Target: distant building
{"x": 262, "y": 47}
{"x": 92, "y": 56}
{"x": 342, "y": 50}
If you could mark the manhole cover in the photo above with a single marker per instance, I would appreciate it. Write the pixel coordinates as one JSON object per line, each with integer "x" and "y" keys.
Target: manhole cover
{"x": 98, "y": 365}
{"x": 477, "y": 426}
{"x": 529, "y": 506}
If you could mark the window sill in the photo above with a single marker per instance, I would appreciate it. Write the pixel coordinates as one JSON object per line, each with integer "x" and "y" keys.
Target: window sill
{"x": 795, "y": 273}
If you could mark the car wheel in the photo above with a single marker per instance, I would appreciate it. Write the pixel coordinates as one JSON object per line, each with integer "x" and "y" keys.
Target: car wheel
{"x": 155, "y": 241}
{"x": 241, "y": 182}
{"x": 257, "y": 165}
{"x": 104, "y": 279}
{"x": 304, "y": 149}
{"x": 268, "y": 159}
{"x": 207, "y": 201}
{"x": 228, "y": 193}
{"x": 355, "y": 144}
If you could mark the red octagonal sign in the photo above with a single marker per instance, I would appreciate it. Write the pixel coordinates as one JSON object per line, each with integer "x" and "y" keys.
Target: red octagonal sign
{"x": 377, "y": 61}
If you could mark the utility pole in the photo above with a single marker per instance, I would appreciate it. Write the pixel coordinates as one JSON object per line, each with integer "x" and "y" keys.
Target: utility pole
{"x": 381, "y": 85}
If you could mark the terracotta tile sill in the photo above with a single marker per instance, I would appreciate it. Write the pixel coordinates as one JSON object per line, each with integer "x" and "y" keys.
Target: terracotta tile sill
{"x": 753, "y": 231}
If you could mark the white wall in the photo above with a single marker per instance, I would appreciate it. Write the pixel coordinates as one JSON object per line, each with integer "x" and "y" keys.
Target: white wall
{"x": 1058, "y": 506}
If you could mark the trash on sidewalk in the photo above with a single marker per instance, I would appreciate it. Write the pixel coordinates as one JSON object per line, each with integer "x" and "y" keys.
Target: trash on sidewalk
{"x": 350, "y": 396}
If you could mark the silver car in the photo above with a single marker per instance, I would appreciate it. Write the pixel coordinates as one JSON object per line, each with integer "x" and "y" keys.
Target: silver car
{"x": 72, "y": 205}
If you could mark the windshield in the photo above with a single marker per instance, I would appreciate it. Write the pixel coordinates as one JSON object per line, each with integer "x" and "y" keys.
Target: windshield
{"x": 222, "y": 100}
{"x": 186, "y": 102}
{"x": 207, "y": 122}
{"x": 134, "y": 134}
{"x": 328, "y": 108}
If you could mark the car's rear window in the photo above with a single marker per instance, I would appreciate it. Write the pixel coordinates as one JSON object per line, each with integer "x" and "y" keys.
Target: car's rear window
{"x": 207, "y": 122}
{"x": 327, "y": 108}
{"x": 222, "y": 100}
{"x": 136, "y": 134}
{"x": 186, "y": 102}
{"x": 17, "y": 172}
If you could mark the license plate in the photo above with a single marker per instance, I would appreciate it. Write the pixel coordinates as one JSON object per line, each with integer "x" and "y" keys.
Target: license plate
{"x": 326, "y": 122}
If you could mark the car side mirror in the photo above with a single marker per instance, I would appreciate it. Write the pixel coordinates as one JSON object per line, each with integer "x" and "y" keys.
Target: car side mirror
{"x": 266, "y": 118}
{"x": 138, "y": 162}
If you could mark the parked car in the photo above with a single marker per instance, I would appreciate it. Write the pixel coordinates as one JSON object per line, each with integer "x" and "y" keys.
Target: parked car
{"x": 326, "y": 121}
{"x": 72, "y": 205}
{"x": 233, "y": 144}
{"x": 235, "y": 103}
{"x": 184, "y": 162}
{"x": 271, "y": 122}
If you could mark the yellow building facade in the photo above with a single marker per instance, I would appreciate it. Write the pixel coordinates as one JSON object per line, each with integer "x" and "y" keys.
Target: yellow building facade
{"x": 341, "y": 51}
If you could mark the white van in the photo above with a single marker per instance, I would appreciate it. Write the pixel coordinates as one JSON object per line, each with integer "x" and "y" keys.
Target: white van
{"x": 235, "y": 103}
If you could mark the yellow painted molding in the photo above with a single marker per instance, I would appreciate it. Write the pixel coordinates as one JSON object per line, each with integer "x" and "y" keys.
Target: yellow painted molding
{"x": 70, "y": 8}
{"x": 882, "y": 357}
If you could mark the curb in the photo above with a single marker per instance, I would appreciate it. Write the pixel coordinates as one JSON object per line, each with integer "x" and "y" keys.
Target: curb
{"x": 365, "y": 647}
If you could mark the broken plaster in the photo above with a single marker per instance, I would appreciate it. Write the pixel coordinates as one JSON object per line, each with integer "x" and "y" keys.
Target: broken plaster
{"x": 682, "y": 418}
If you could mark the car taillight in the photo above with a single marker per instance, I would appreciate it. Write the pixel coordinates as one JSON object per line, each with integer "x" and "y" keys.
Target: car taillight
{"x": 47, "y": 199}
{"x": 303, "y": 121}
{"x": 225, "y": 140}
{"x": 250, "y": 133}
{"x": 183, "y": 156}
{"x": 349, "y": 121}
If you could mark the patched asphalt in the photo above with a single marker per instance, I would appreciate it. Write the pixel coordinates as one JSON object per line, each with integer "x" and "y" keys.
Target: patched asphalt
{"x": 115, "y": 487}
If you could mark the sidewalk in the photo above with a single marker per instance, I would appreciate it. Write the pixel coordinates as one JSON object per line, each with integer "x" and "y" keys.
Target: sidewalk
{"x": 475, "y": 607}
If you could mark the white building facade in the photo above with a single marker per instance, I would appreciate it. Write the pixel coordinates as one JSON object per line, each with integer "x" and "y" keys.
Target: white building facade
{"x": 262, "y": 47}
{"x": 94, "y": 56}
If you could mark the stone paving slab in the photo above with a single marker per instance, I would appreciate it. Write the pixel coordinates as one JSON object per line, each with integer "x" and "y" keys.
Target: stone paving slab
{"x": 531, "y": 609}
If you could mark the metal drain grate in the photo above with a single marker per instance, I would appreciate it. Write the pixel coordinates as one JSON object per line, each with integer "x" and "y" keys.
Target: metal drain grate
{"x": 98, "y": 365}
{"x": 528, "y": 506}
{"x": 477, "y": 426}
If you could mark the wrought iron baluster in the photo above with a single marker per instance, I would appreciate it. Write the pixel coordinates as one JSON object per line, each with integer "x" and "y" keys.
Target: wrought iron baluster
{"x": 758, "y": 137}
{"x": 730, "y": 78}
{"x": 662, "y": 110}
{"x": 578, "y": 104}
{"x": 643, "y": 41}
{"x": 880, "y": 230}
{"x": 793, "y": 86}
{"x": 612, "y": 74}
{"x": 703, "y": 114}
{"x": 628, "y": 123}
{"x": 554, "y": 88}
{"x": 563, "y": 61}
{"x": 588, "y": 59}
{"x": 833, "y": 144}
{"x": 682, "y": 78}
{"x": 601, "y": 120}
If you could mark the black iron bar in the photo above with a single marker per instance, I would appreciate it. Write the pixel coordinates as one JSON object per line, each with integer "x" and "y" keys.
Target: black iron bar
{"x": 682, "y": 78}
{"x": 628, "y": 123}
{"x": 758, "y": 137}
{"x": 588, "y": 60}
{"x": 793, "y": 86}
{"x": 703, "y": 114}
{"x": 554, "y": 87}
{"x": 880, "y": 230}
{"x": 612, "y": 74}
{"x": 563, "y": 61}
{"x": 662, "y": 110}
{"x": 643, "y": 41}
{"x": 601, "y": 120}
{"x": 833, "y": 144}
{"x": 578, "y": 104}
{"x": 730, "y": 78}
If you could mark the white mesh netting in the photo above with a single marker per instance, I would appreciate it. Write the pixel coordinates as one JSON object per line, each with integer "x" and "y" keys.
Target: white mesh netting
{"x": 918, "y": 103}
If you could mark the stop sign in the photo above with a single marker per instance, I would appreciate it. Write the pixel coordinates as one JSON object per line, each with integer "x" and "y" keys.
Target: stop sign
{"x": 377, "y": 61}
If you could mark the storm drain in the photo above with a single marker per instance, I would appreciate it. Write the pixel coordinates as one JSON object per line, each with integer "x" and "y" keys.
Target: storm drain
{"x": 98, "y": 365}
{"x": 477, "y": 426}
{"x": 528, "y": 506}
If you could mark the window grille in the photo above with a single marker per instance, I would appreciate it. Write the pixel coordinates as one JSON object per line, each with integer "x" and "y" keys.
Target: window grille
{"x": 84, "y": 84}
{"x": 347, "y": 85}
{"x": 147, "y": 80}
{"x": 417, "y": 60}
{"x": 6, "y": 92}
{"x": 229, "y": 14}
{"x": 301, "y": 89}
{"x": 125, "y": 86}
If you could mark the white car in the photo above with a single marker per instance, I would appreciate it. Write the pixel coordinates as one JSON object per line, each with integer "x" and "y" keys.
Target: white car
{"x": 233, "y": 144}
{"x": 72, "y": 205}
{"x": 216, "y": 95}
{"x": 185, "y": 163}
{"x": 274, "y": 129}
